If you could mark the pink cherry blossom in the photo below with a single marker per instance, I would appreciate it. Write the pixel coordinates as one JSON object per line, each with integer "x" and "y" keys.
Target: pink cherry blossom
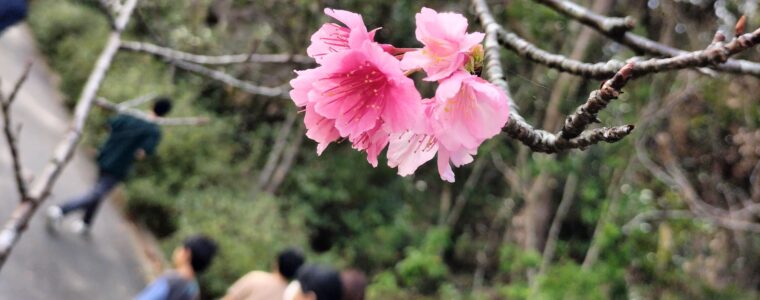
{"x": 360, "y": 94}
{"x": 319, "y": 129}
{"x": 458, "y": 158}
{"x": 468, "y": 111}
{"x": 373, "y": 142}
{"x": 331, "y": 37}
{"x": 410, "y": 149}
{"x": 447, "y": 44}
{"x": 407, "y": 151}
{"x": 358, "y": 87}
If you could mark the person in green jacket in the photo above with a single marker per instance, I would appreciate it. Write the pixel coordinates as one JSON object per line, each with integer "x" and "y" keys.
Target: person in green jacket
{"x": 131, "y": 138}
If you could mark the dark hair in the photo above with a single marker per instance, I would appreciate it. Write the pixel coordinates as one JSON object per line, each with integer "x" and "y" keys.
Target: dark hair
{"x": 322, "y": 281}
{"x": 354, "y": 284}
{"x": 162, "y": 106}
{"x": 202, "y": 251}
{"x": 289, "y": 261}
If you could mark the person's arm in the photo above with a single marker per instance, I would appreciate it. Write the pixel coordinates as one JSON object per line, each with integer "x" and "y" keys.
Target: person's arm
{"x": 158, "y": 290}
{"x": 150, "y": 143}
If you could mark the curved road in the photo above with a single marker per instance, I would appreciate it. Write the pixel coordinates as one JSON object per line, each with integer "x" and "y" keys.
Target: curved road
{"x": 58, "y": 265}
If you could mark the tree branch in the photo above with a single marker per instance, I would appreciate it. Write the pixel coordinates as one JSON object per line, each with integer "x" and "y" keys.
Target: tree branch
{"x": 638, "y": 43}
{"x": 289, "y": 156}
{"x": 246, "y": 86}
{"x": 713, "y": 55}
{"x": 172, "y": 54}
{"x": 138, "y": 101}
{"x": 194, "y": 121}
{"x": 10, "y": 136}
{"x": 564, "y": 64}
{"x": 687, "y": 214}
{"x": 41, "y": 187}
{"x": 278, "y": 147}
{"x": 597, "y": 100}
{"x": 568, "y": 196}
{"x": 614, "y": 26}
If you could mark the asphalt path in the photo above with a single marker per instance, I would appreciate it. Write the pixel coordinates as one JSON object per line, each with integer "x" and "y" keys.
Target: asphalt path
{"x": 57, "y": 264}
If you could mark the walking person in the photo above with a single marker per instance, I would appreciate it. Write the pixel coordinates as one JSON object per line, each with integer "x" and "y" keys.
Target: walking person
{"x": 190, "y": 260}
{"x": 260, "y": 285}
{"x": 131, "y": 138}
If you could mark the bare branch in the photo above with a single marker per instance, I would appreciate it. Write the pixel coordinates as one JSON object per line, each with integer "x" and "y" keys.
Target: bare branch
{"x": 172, "y": 54}
{"x": 638, "y": 43}
{"x": 568, "y": 196}
{"x": 686, "y": 214}
{"x": 683, "y": 60}
{"x": 532, "y": 52}
{"x": 598, "y": 100}
{"x": 41, "y": 187}
{"x": 195, "y": 121}
{"x": 278, "y": 147}
{"x": 517, "y": 127}
{"x": 10, "y": 136}
{"x": 246, "y": 86}
{"x": 464, "y": 195}
{"x": 615, "y": 26}
{"x": 289, "y": 156}
{"x": 138, "y": 101}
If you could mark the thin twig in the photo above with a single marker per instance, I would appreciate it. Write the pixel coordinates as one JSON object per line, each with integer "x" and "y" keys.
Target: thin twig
{"x": 568, "y": 196}
{"x": 11, "y": 137}
{"x": 683, "y": 60}
{"x": 288, "y": 157}
{"x": 641, "y": 44}
{"x": 172, "y": 54}
{"x": 246, "y": 86}
{"x": 278, "y": 147}
{"x": 597, "y": 100}
{"x": 687, "y": 214}
{"x": 138, "y": 101}
{"x": 614, "y": 26}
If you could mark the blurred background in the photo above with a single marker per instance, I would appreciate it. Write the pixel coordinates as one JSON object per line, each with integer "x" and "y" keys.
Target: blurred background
{"x": 251, "y": 180}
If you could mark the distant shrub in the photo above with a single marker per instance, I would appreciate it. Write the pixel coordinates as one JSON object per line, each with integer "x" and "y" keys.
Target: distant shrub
{"x": 423, "y": 268}
{"x": 72, "y": 36}
{"x": 249, "y": 232}
{"x": 149, "y": 206}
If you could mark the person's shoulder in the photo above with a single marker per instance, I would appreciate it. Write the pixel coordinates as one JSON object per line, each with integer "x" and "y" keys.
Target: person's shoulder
{"x": 261, "y": 277}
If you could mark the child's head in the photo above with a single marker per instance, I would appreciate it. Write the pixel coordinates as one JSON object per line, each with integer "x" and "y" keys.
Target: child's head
{"x": 162, "y": 106}
{"x": 319, "y": 283}
{"x": 197, "y": 251}
{"x": 288, "y": 262}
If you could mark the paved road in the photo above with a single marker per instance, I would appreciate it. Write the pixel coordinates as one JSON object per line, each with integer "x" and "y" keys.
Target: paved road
{"x": 63, "y": 265}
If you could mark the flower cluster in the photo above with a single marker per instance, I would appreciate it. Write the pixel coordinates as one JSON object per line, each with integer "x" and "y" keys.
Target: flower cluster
{"x": 361, "y": 92}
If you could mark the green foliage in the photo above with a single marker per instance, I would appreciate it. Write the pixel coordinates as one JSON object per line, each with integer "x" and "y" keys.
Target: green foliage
{"x": 73, "y": 33}
{"x": 515, "y": 260}
{"x": 569, "y": 281}
{"x": 423, "y": 268}
{"x": 202, "y": 180}
{"x": 249, "y": 236}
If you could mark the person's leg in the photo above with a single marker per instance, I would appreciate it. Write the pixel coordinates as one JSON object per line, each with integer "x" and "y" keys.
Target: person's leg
{"x": 105, "y": 184}
{"x": 83, "y": 201}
